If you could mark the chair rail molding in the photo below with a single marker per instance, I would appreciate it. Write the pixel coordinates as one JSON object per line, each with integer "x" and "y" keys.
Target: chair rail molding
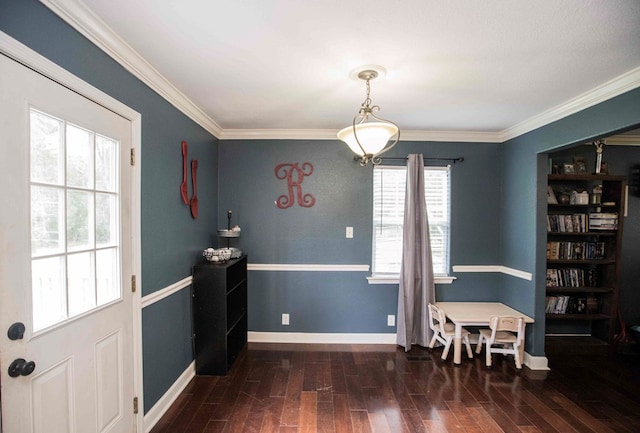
{"x": 493, "y": 268}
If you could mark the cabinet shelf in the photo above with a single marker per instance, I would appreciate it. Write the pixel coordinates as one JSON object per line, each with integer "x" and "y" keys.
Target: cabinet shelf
{"x": 581, "y": 262}
{"x": 579, "y": 290}
{"x": 585, "y": 178}
{"x": 565, "y": 206}
{"x": 576, "y": 317}
{"x": 585, "y": 234}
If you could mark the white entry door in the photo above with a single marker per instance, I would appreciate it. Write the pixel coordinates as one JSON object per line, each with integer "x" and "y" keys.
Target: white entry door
{"x": 66, "y": 325}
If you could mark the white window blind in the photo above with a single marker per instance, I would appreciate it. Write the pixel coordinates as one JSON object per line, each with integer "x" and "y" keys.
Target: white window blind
{"x": 388, "y": 217}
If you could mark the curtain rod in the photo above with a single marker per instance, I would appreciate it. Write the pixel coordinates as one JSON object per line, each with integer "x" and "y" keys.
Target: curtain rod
{"x": 454, "y": 160}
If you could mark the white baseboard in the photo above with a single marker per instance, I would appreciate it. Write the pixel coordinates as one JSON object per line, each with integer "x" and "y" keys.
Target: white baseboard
{"x": 320, "y": 338}
{"x": 152, "y": 417}
{"x": 533, "y": 362}
{"x": 536, "y": 362}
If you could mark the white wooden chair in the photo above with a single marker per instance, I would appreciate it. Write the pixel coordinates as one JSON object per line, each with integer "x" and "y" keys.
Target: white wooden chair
{"x": 505, "y": 331}
{"x": 444, "y": 332}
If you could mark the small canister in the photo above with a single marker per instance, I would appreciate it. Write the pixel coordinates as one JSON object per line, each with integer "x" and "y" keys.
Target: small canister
{"x": 596, "y": 195}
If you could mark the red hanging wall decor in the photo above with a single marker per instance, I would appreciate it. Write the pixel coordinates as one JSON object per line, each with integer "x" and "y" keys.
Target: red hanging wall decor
{"x": 294, "y": 175}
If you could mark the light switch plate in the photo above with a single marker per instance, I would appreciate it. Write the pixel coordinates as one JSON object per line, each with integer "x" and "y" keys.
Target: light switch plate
{"x": 349, "y": 232}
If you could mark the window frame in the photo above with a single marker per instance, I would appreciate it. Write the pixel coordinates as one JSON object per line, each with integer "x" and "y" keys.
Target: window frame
{"x": 393, "y": 278}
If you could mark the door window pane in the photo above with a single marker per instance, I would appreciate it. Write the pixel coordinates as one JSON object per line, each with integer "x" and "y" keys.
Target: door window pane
{"x": 81, "y": 283}
{"x": 47, "y": 220}
{"x": 106, "y": 218}
{"x": 106, "y": 167}
{"x": 79, "y": 220}
{"x": 48, "y": 291}
{"x": 79, "y": 157}
{"x": 47, "y": 149}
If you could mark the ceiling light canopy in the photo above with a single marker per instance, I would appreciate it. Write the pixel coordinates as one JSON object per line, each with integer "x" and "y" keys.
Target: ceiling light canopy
{"x": 369, "y": 136}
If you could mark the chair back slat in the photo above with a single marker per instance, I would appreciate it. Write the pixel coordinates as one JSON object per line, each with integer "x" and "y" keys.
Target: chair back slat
{"x": 508, "y": 324}
{"x": 436, "y": 319}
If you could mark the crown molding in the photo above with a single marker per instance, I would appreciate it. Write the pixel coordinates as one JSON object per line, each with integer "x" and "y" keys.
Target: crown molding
{"x": 81, "y": 18}
{"x": 612, "y": 88}
{"x": 278, "y": 134}
{"x": 624, "y": 140}
{"x": 452, "y": 136}
{"x": 330, "y": 134}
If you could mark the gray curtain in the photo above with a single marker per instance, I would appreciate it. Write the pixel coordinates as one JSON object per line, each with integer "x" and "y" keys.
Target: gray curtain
{"x": 416, "y": 272}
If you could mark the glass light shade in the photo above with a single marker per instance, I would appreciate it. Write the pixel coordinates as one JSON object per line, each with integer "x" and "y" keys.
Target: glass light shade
{"x": 373, "y": 137}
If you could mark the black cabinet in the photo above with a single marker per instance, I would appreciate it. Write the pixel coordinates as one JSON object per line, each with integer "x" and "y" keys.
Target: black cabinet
{"x": 219, "y": 314}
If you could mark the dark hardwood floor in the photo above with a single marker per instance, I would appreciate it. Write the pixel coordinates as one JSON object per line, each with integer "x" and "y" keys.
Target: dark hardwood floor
{"x": 346, "y": 388}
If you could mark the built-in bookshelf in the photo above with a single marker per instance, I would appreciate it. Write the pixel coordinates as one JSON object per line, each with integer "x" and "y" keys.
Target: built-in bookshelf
{"x": 584, "y": 233}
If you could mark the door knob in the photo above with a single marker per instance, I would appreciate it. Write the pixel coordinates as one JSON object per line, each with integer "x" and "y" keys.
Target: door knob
{"x": 16, "y": 331}
{"x": 21, "y": 367}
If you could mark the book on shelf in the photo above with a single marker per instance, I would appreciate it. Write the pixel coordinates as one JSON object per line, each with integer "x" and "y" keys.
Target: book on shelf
{"x": 567, "y": 223}
{"x": 572, "y": 277}
{"x": 564, "y": 304}
{"x": 552, "y": 278}
{"x": 603, "y": 221}
{"x": 560, "y": 250}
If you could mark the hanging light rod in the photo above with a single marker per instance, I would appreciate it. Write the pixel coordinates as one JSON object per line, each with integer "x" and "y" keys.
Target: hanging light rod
{"x": 369, "y": 136}
{"x": 453, "y": 160}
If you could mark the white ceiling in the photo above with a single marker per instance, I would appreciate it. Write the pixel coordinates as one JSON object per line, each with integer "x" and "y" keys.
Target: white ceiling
{"x": 490, "y": 67}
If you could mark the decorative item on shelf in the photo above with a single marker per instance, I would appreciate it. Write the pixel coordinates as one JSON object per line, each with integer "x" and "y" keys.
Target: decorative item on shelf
{"x": 220, "y": 255}
{"x": 369, "y": 136}
{"x": 564, "y": 198}
{"x": 596, "y": 194}
{"x": 599, "y": 145}
{"x": 579, "y": 165}
{"x": 579, "y": 196}
{"x": 568, "y": 168}
{"x": 228, "y": 233}
{"x": 551, "y": 196}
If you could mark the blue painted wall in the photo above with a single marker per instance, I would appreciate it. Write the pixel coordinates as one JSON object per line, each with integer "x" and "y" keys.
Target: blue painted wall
{"x": 344, "y": 301}
{"x": 171, "y": 240}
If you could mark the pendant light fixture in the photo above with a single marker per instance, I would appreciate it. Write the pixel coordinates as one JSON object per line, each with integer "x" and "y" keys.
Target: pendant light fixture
{"x": 369, "y": 136}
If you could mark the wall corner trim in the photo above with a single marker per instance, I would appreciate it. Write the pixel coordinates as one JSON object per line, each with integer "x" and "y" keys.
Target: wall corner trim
{"x": 494, "y": 268}
{"x": 152, "y": 417}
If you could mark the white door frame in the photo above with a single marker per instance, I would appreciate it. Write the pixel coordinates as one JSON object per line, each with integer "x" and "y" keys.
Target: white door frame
{"x": 37, "y": 62}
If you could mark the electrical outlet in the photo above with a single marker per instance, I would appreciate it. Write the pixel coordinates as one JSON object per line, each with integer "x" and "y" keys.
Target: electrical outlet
{"x": 349, "y": 233}
{"x": 391, "y": 320}
{"x": 285, "y": 319}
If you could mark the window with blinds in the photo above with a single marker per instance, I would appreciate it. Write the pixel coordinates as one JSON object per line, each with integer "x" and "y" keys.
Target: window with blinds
{"x": 388, "y": 217}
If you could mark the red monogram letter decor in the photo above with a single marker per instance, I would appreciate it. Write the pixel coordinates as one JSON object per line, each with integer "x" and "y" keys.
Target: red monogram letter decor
{"x": 294, "y": 175}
